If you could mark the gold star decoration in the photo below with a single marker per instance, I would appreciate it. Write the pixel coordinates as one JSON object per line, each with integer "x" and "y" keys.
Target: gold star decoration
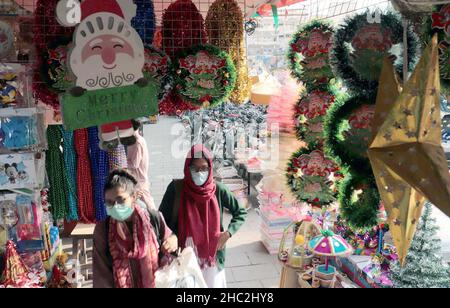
{"x": 423, "y": 171}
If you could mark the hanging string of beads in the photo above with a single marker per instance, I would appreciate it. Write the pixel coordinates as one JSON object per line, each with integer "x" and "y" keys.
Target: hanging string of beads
{"x": 86, "y": 208}
{"x": 70, "y": 160}
{"x": 54, "y": 160}
{"x": 100, "y": 169}
{"x": 117, "y": 158}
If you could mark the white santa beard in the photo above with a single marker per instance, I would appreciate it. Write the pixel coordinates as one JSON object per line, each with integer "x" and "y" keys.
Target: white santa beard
{"x": 92, "y": 75}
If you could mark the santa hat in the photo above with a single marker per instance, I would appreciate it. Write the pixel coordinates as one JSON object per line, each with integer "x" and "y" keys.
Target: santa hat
{"x": 106, "y": 17}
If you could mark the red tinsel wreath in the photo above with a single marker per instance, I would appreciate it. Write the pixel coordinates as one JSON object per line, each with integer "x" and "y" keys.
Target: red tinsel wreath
{"x": 182, "y": 27}
{"x": 46, "y": 29}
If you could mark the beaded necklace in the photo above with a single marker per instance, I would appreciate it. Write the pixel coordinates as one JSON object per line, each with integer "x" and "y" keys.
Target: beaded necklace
{"x": 117, "y": 158}
{"x": 86, "y": 208}
{"x": 100, "y": 168}
{"x": 70, "y": 160}
{"x": 54, "y": 159}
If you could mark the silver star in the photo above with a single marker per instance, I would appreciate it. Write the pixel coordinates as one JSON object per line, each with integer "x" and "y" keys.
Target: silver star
{"x": 433, "y": 91}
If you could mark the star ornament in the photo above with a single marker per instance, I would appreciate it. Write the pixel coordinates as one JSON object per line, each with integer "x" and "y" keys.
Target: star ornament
{"x": 417, "y": 146}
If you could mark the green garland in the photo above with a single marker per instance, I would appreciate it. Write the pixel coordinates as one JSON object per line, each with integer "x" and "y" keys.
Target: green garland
{"x": 341, "y": 58}
{"x": 316, "y": 76}
{"x": 335, "y": 145}
{"x": 360, "y": 212}
{"x": 187, "y": 82}
{"x": 427, "y": 33}
{"x": 297, "y": 184}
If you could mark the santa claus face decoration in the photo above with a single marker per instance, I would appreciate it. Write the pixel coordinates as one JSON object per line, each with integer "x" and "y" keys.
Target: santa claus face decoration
{"x": 108, "y": 53}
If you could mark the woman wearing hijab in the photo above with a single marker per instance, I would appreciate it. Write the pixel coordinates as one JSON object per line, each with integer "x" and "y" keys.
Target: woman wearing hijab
{"x": 132, "y": 243}
{"x": 193, "y": 208}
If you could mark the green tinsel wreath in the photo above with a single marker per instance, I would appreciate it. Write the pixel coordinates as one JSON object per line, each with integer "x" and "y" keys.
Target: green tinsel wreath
{"x": 298, "y": 184}
{"x": 310, "y": 77}
{"x": 219, "y": 84}
{"x": 444, "y": 41}
{"x": 359, "y": 200}
{"x": 341, "y": 58}
{"x": 314, "y": 139}
{"x": 335, "y": 144}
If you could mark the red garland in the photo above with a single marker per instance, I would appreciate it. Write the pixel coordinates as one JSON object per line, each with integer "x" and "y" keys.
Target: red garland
{"x": 174, "y": 105}
{"x": 46, "y": 29}
{"x": 86, "y": 208}
{"x": 183, "y": 27}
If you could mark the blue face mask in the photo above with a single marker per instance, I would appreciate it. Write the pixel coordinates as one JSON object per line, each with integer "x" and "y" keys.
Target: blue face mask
{"x": 120, "y": 212}
{"x": 199, "y": 178}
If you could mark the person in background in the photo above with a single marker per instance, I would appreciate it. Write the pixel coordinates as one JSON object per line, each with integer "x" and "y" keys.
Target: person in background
{"x": 130, "y": 245}
{"x": 138, "y": 161}
{"x": 193, "y": 208}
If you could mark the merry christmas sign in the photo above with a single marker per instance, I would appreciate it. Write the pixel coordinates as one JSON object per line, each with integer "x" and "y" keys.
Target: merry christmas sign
{"x": 107, "y": 60}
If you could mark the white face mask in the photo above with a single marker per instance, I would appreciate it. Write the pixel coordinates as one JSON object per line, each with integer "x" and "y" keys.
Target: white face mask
{"x": 199, "y": 178}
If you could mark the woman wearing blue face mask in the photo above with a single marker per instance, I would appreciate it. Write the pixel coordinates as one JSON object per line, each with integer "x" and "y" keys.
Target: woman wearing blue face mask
{"x": 193, "y": 208}
{"x": 130, "y": 245}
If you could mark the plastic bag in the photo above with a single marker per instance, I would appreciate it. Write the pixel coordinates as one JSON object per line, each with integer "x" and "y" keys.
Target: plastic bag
{"x": 183, "y": 272}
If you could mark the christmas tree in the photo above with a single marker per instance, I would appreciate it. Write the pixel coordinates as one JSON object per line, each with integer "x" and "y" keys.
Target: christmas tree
{"x": 424, "y": 267}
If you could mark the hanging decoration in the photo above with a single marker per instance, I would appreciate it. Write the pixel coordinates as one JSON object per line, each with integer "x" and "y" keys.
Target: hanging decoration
{"x": 310, "y": 113}
{"x": 100, "y": 170}
{"x": 54, "y": 67}
{"x": 182, "y": 27}
{"x": 348, "y": 132}
{"x": 70, "y": 163}
{"x": 439, "y": 23}
{"x": 361, "y": 44}
{"x": 159, "y": 66}
{"x": 145, "y": 21}
{"x": 308, "y": 54}
{"x": 406, "y": 152}
{"x": 48, "y": 33}
{"x": 86, "y": 208}
{"x": 310, "y": 176}
{"x": 205, "y": 75}
{"x": 225, "y": 25}
{"x": 360, "y": 47}
{"x": 58, "y": 193}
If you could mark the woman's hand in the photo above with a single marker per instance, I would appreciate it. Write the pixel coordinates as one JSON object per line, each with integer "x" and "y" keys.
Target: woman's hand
{"x": 170, "y": 245}
{"x": 223, "y": 239}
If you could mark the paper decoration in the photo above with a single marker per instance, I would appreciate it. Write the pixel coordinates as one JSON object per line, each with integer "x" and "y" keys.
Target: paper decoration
{"x": 108, "y": 53}
{"x": 406, "y": 153}
{"x": 100, "y": 107}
